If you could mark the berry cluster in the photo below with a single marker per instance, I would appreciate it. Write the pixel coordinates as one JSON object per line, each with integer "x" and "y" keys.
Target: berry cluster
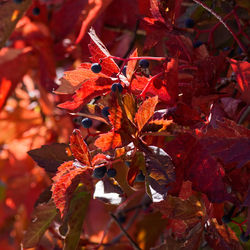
{"x": 99, "y": 172}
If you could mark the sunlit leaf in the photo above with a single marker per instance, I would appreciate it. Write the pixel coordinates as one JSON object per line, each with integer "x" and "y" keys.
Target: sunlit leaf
{"x": 79, "y": 148}
{"x": 145, "y": 111}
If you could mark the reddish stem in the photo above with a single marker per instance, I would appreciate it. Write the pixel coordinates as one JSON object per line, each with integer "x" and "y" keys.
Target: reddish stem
{"x": 221, "y": 20}
{"x": 149, "y": 82}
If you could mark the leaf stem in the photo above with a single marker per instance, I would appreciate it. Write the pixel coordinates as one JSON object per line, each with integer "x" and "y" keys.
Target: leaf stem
{"x": 222, "y": 21}
{"x": 149, "y": 82}
{"x": 133, "y": 243}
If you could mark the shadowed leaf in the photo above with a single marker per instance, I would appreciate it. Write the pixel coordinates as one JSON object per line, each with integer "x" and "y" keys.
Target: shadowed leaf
{"x": 42, "y": 216}
{"x": 50, "y": 157}
{"x": 77, "y": 211}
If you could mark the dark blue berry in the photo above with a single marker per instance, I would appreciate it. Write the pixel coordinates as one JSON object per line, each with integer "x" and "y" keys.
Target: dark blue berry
{"x": 116, "y": 86}
{"x": 111, "y": 173}
{"x": 36, "y": 11}
{"x": 96, "y": 68}
{"x": 127, "y": 163}
{"x": 105, "y": 111}
{"x": 124, "y": 71}
{"x": 87, "y": 122}
{"x": 226, "y": 219}
{"x": 17, "y": 1}
{"x": 99, "y": 172}
{"x": 121, "y": 218}
{"x": 189, "y": 23}
{"x": 144, "y": 63}
{"x": 244, "y": 238}
{"x": 140, "y": 177}
{"x": 239, "y": 50}
{"x": 197, "y": 44}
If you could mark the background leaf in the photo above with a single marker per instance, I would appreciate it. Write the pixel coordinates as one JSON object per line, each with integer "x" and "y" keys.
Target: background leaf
{"x": 43, "y": 215}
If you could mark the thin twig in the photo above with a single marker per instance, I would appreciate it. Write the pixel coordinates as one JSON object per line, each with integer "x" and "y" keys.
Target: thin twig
{"x": 222, "y": 21}
{"x": 133, "y": 243}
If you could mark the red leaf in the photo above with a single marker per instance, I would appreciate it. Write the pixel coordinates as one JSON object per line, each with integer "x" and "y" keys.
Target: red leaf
{"x": 5, "y": 86}
{"x": 131, "y": 65}
{"x": 145, "y": 111}
{"x": 89, "y": 90}
{"x": 79, "y": 148}
{"x": 242, "y": 71}
{"x": 91, "y": 13}
{"x": 10, "y": 60}
{"x": 98, "y": 51}
{"x": 65, "y": 182}
{"x": 98, "y": 159}
{"x": 110, "y": 140}
{"x": 72, "y": 80}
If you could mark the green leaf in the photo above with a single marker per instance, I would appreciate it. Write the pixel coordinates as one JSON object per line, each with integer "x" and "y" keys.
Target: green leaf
{"x": 76, "y": 215}
{"x": 42, "y": 217}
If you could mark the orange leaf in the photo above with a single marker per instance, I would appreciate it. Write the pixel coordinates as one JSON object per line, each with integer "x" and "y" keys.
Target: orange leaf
{"x": 131, "y": 65}
{"x": 73, "y": 79}
{"x": 109, "y": 140}
{"x": 65, "y": 182}
{"x": 79, "y": 148}
{"x": 89, "y": 89}
{"x": 163, "y": 122}
{"x": 145, "y": 111}
{"x": 115, "y": 115}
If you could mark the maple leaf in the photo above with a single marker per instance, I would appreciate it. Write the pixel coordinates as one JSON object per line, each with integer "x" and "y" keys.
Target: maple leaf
{"x": 79, "y": 148}
{"x": 107, "y": 141}
{"x": 145, "y": 111}
{"x": 50, "y": 157}
{"x": 242, "y": 71}
{"x": 68, "y": 176}
{"x": 99, "y": 52}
